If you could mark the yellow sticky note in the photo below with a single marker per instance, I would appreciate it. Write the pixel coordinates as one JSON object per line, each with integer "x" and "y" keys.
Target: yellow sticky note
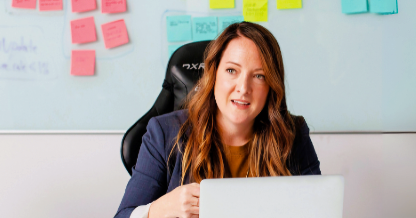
{"x": 215, "y": 4}
{"x": 255, "y": 10}
{"x": 288, "y": 4}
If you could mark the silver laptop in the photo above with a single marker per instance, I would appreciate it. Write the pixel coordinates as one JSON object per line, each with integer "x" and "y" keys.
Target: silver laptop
{"x": 288, "y": 196}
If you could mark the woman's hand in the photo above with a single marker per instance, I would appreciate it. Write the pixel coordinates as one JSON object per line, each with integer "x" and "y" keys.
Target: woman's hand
{"x": 182, "y": 202}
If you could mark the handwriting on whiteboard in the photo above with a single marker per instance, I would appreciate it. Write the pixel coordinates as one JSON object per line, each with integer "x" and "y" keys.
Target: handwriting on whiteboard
{"x": 12, "y": 46}
{"x": 23, "y": 54}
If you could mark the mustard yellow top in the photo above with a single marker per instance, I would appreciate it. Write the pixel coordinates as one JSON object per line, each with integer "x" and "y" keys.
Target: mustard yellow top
{"x": 237, "y": 160}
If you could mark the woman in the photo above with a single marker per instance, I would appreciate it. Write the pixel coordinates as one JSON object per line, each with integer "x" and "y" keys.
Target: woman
{"x": 236, "y": 124}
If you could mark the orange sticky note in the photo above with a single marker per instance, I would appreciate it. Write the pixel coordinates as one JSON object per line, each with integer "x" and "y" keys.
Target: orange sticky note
{"x": 115, "y": 33}
{"x": 30, "y": 4}
{"x": 113, "y": 6}
{"x": 50, "y": 5}
{"x": 83, "y": 5}
{"x": 83, "y": 30}
{"x": 83, "y": 62}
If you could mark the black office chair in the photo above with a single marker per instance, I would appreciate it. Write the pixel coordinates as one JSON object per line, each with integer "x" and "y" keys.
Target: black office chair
{"x": 185, "y": 67}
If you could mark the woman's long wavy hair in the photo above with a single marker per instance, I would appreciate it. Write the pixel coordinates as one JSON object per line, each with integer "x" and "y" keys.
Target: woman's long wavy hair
{"x": 273, "y": 129}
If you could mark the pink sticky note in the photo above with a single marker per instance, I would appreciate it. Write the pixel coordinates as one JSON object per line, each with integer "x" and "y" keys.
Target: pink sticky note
{"x": 83, "y": 30}
{"x": 30, "y": 4}
{"x": 83, "y": 5}
{"x": 50, "y": 5}
{"x": 113, "y": 6}
{"x": 83, "y": 62}
{"x": 115, "y": 33}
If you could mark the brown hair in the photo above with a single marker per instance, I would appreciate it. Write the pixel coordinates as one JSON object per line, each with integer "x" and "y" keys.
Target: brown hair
{"x": 273, "y": 129}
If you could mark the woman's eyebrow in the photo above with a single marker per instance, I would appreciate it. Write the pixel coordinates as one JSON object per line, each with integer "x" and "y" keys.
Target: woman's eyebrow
{"x": 257, "y": 69}
{"x": 233, "y": 63}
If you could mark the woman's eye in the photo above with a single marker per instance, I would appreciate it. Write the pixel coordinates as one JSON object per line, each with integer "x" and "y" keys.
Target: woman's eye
{"x": 259, "y": 76}
{"x": 231, "y": 71}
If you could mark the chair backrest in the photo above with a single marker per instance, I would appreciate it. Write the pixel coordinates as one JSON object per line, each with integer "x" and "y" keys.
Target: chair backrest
{"x": 185, "y": 67}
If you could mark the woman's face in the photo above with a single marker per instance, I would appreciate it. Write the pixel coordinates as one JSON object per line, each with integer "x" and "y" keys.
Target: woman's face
{"x": 240, "y": 88}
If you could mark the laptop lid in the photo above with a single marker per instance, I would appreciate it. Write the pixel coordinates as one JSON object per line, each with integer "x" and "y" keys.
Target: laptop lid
{"x": 283, "y": 196}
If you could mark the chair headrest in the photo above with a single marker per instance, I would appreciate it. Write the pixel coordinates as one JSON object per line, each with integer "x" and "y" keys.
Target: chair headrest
{"x": 185, "y": 68}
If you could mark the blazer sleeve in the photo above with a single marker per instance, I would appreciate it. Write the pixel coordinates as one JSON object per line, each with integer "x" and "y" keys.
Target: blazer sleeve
{"x": 304, "y": 160}
{"x": 148, "y": 180}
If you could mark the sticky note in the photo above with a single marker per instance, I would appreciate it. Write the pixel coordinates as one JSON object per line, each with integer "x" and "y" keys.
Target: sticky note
{"x": 354, "y": 6}
{"x": 115, "y": 33}
{"x": 383, "y": 6}
{"x": 255, "y": 10}
{"x": 224, "y": 22}
{"x": 289, "y": 4}
{"x": 173, "y": 48}
{"x": 50, "y": 5}
{"x": 204, "y": 28}
{"x": 83, "y": 30}
{"x": 113, "y": 6}
{"x": 179, "y": 28}
{"x": 83, "y": 5}
{"x": 28, "y": 4}
{"x": 216, "y": 4}
{"x": 83, "y": 62}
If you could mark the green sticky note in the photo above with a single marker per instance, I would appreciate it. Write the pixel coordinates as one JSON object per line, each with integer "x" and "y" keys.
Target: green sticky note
{"x": 289, "y": 4}
{"x": 173, "y": 48}
{"x": 255, "y": 10}
{"x": 224, "y": 22}
{"x": 383, "y": 6}
{"x": 216, "y": 4}
{"x": 204, "y": 28}
{"x": 179, "y": 28}
{"x": 354, "y": 6}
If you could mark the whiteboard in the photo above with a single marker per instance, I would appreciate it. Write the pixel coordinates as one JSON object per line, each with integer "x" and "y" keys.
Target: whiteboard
{"x": 344, "y": 73}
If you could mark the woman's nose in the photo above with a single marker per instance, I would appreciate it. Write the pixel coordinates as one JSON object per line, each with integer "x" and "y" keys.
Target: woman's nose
{"x": 243, "y": 83}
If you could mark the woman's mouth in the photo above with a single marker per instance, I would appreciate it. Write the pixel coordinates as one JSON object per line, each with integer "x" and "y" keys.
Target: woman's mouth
{"x": 241, "y": 104}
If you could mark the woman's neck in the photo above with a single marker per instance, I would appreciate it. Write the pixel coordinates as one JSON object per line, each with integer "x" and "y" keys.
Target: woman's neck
{"x": 234, "y": 135}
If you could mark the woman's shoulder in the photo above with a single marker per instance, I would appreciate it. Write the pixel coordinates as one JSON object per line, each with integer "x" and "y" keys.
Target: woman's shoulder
{"x": 301, "y": 130}
{"x": 173, "y": 118}
{"x": 168, "y": 124}
{"x": 303, "y": 159}
{"x": 299, "y": 121}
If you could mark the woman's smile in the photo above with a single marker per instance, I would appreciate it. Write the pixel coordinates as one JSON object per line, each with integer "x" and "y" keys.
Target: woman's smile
{"x": 241, "y": 104}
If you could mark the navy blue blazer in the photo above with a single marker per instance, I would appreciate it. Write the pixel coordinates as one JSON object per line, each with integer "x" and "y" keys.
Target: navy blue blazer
{"x": 150, "y": 178}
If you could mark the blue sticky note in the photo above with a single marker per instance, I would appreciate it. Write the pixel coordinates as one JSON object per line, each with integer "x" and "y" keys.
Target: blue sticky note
{"x": 179, "y": 28}
{"x": 354, "y": 6}
{"x": 173, "y": 48}
{"x": 383, "y": 6}
{"x": 204, "y": 28}
{"x": 224, "y": 22}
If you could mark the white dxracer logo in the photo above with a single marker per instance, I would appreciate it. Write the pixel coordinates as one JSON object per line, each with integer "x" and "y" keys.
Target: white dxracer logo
{"x": 194, "y": 66}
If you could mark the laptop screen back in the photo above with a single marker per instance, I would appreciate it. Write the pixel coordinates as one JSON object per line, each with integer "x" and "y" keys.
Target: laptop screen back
{"x": 289, "y": 196}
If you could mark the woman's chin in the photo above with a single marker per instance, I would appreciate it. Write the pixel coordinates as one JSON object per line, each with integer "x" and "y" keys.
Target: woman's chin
{"x": 238, "y": 121}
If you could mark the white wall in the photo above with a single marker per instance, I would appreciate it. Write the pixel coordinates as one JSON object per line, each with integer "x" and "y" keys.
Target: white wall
{"x": 82, "y": 175}
{"x": 378, "y": 171}
{"x": 60, "y": 176}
